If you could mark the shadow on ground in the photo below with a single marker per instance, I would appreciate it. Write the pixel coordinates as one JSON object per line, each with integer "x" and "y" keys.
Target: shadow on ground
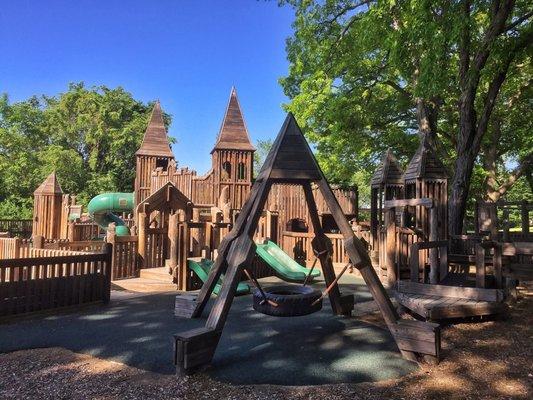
{"x": 254, "y": 349}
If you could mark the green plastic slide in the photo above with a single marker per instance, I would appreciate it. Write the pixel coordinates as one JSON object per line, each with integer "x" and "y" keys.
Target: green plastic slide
{"x": 202, "y": 266}
{"x": 102, "y": 207}
{"x": 284, "y": 266}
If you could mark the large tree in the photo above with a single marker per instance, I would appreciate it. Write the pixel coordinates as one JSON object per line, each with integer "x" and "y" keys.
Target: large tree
{"x": 87, "y": 135}
{"x": 366, "y": 75}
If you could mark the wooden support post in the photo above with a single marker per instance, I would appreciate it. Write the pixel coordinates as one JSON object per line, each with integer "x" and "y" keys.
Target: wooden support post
{"x": 390, "y": 261}
{"x": 173, "y": 220}
{"x": 142, "y": 221}
{"x": 524, "y": 215}
{"x": 506, "y": 225}
{"x": 480, "y": 266}
{"x": 111, "y": 238}
{"x": 38, "y": 242}
{"x": 322, "y": 245}
{"x": 497, "y": 265}
{"x": 433, "y": 252}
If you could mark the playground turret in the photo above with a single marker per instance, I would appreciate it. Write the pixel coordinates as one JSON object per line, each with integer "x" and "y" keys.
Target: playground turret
{"x": 102, "y": 207}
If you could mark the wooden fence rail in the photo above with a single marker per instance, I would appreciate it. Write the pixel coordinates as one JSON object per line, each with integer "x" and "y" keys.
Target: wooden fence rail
{"x": 41, "y": 283}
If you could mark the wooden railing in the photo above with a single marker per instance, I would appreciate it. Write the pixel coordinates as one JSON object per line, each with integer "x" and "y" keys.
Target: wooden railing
{"x": 298, "y": 246}
{"x": 41, "y": 283}
{"x": 126, "y": 261}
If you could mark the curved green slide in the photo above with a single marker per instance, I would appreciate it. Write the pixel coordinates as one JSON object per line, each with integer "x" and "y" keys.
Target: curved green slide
{"x": 202, "y": 266}
{"x": 102, "y": 207}
{"x": 284, "y": 266}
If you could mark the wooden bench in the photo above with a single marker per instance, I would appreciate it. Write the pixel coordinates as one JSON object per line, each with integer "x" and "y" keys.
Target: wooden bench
{"x": 437, "y": 302}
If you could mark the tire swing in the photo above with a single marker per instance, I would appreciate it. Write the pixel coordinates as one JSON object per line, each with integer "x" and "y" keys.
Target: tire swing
{"x": 291, "y": 300}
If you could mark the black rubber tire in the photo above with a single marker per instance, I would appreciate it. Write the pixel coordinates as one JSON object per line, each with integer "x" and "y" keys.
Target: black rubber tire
{"x": 292, "y": 300}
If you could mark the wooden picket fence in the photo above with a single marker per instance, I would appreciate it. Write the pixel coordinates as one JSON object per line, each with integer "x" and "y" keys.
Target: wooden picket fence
{"x": 54, "y": 281}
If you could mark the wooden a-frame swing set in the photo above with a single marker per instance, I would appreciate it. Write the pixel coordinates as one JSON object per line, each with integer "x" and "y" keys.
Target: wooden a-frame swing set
{"x": 290, "y": 161}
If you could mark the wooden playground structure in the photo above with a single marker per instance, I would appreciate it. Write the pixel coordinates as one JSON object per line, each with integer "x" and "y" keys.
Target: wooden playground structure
{"x": 63, "y": 258}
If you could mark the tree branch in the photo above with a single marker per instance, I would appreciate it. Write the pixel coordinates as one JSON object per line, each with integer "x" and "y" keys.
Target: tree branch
{"x": 518, "y": 21}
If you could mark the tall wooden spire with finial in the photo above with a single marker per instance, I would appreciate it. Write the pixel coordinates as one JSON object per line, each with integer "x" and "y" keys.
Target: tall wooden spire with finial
{"x": 233, "y": 155}
{"x": 47, "y": 208}
{"x": 154, "y": 152}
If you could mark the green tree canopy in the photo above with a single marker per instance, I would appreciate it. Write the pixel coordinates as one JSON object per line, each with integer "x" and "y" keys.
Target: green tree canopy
{"x": 87, "y": 135}
{"x": 367, "y": 75}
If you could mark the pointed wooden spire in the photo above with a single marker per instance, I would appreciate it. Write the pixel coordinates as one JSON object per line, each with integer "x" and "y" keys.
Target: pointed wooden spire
{"x": 290, "y": 157}
{"x": 233, "y": 134}
{"x": 388, "y": 172}
{"x": 425, "y": 164}
{"x": 49, "y": 186}
{"x": 155, "y": 141}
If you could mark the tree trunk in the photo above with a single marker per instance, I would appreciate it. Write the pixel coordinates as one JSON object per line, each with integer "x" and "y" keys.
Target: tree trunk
{"x": 457, "y": 203}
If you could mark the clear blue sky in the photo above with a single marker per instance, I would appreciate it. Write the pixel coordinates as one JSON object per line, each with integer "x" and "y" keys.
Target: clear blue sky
{"x": 186, "y": 53}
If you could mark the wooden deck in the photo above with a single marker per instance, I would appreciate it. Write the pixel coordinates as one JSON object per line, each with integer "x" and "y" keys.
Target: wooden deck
{"x": 439, "y": 302}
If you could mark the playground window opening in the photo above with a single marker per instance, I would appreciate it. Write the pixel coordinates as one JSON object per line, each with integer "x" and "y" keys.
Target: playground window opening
{"x": 161, "y": 163}
{"x": 241, "y": 171}
{"x": 226, "y": 170}
{"x": 297, "y": 225}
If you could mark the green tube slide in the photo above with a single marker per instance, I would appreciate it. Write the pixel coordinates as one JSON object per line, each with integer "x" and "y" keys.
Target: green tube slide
{"x": 102, "y": 207}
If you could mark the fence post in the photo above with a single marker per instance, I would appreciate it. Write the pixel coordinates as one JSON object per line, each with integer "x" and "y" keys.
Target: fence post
{"x": 16, "y": 249}
{"x": 38, "y": 242}
{"x": 108, "y": 251}
{"x": 110, "y": 238}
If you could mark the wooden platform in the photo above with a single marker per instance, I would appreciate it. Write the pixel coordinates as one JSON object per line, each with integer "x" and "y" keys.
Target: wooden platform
{"x": 439, "y": 302}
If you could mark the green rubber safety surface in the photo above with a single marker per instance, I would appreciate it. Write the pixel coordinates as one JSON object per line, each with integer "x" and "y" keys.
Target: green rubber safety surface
{"x": 254, "y": 349}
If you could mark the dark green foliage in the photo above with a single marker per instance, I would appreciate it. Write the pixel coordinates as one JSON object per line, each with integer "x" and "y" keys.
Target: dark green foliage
{"x": 87, "y": 135}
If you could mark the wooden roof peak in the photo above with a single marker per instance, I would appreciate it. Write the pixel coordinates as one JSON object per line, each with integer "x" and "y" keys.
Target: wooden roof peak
{"x": 425, "y": 163}
{"x": 155, "y": 141}
{"x": 290, "y": 158}
{"x": 233, "y": 134}
{"x": 389, "y": 172}
{"x": 49, "y": 186}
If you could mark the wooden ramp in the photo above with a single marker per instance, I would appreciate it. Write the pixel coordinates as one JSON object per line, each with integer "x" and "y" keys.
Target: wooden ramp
{"x": 439, "y": 302}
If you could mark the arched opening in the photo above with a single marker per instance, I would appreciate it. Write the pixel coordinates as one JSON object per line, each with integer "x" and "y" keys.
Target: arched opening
{"x": 297, "y": 225}
{"x": 241, "y": 171}
{"x": 226, "y": 171}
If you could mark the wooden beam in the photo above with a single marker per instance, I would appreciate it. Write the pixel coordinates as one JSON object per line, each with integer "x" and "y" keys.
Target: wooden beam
{"x": 322, "y": 246}
{"x": 424, "y": 202}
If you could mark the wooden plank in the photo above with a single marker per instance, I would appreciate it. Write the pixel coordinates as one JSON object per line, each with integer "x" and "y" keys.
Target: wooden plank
{"x": 451, "y": 291}
{"x": 424, "y": 202}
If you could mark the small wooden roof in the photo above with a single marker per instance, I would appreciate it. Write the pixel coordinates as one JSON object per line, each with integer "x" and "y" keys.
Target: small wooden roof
{"x": 233, "y": 134}
{"x": 168, "y": 195}
{"x": 155, "y": 141}
{"x": 290, "y": 159}
{"x": 388, "y": 172}
{"x": 425, "y": 164}
{"x": 49, "y": 186}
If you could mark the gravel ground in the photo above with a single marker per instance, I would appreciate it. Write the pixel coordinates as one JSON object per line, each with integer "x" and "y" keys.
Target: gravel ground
{"x": 490, "y": 360}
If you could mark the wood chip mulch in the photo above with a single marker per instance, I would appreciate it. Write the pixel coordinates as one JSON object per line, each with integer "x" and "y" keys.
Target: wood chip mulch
{"x": 489, "y": 360}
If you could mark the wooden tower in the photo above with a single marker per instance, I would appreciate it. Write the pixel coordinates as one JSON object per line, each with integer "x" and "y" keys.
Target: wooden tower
{"x": 154, "y": 152}
{"x": 233, "y": 155}
{"x": 386, "y": 184}
{"x": 426, "y": 177}
{"x": 289, "y": 161}
{"x": 47, "y": 208}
